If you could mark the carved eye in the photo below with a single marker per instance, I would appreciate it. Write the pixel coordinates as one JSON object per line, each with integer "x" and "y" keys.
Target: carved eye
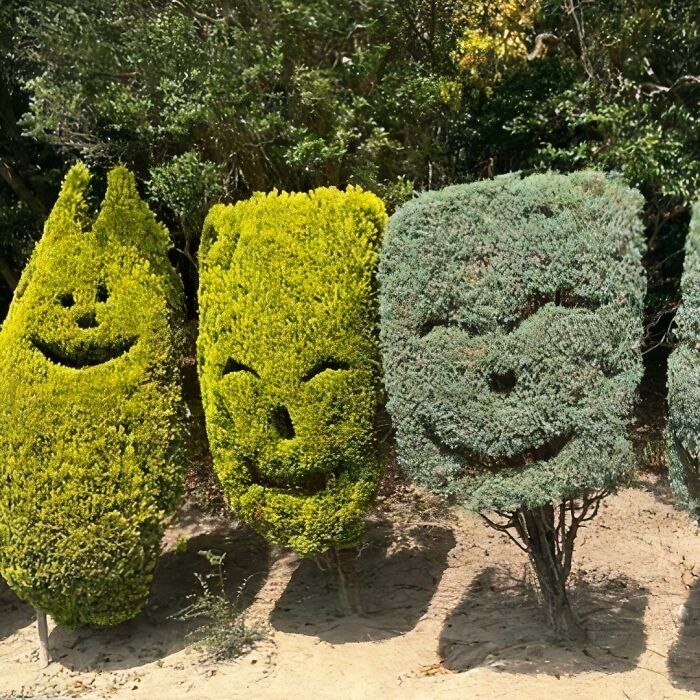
{"x": 565, "y": 298}
{"x": 102, "y": 293}
{"x": 431, "y": 324}
{"x": 323, "y": 366}
{"x": 66, "y": 300}
{"x": 235, "y": 366}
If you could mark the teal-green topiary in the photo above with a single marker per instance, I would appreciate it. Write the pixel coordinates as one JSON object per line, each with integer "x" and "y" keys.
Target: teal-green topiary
{"x": 90, "y": 418}
{"x": 511, "y": 325}
{"x": 683, "y": 434}
{"x": 289, "y": 361}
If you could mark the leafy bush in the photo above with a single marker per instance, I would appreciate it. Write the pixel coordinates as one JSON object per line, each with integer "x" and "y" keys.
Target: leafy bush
{"x": 511, "y": 317}
{"x": 684, "y": 380}
{"x": 90, "y": 421}
{"x": 289, "y": 362}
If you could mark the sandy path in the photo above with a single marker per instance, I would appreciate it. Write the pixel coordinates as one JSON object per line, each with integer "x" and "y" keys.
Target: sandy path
{"x": 447, "y": 613}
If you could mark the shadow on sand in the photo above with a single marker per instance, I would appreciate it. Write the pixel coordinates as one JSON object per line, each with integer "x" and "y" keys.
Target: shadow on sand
{"x": 14, "y": 614}
{"x": 154, "y": 634}
{"x": 684, "y": 657}
{"x": 394, "y": 579}
{"x": 500, "y": 624}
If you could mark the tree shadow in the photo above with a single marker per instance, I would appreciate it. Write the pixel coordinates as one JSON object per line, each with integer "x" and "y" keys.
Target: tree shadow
{"x": 684, "y": 657}
{"x": 14, "y": 614}
{"x": 155, "y": 633}
{"x": 394, "y": 579}
{"x": 499, "y": 623}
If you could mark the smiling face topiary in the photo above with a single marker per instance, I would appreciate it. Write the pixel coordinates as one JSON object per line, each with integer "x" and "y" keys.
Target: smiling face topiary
{"x": 289, "y": 362}
{"x": 683, "y": 432}
{"x": 90, "y": 416}
{"x": 511, "y": 317}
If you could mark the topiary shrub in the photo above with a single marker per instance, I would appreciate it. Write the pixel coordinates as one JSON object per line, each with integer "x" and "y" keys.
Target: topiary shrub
{"x": 90, "y": 416}
{"x": 511, "y": 323}
{"x": 289, "y": 361}
{"x": 683, "y": 434}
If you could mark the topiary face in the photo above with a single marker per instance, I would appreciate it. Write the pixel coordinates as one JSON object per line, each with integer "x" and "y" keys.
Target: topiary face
{"x": 90, "y": 428}
{"x": 684, "y": 380}
{"x": 511, "y": 324}
{"x": 289, "y": 361}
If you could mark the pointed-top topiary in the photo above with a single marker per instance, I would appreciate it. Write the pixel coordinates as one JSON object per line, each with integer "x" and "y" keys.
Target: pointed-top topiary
{"x": 289, "y": 361}
{"x": 90, "y": 420}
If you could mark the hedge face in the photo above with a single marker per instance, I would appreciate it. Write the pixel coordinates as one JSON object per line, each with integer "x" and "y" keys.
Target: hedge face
{"x": 289, "y": 361}
{"x": 89, "y": 421}
{"x": 684, "y": 380}
{"x": 511, "y": 322}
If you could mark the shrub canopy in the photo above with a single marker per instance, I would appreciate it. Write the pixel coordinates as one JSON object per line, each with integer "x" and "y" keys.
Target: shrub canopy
{"x": 511, "y": 314}
{"x": 684, "y": 380}
{"x": 89, "y": 422}
{"x": 289, "y": 361}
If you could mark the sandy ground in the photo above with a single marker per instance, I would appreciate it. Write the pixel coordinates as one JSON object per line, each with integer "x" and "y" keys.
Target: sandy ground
{"x": 448, "y": 612}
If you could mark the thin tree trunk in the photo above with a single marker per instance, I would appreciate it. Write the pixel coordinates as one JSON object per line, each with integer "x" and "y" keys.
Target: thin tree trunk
{"x": 43, "y": 634}
{"x": 8, "y": 274}
{"x": 343, "y": 563}
{"x": 539, "y": 533}
{"x": 22, "y": 190}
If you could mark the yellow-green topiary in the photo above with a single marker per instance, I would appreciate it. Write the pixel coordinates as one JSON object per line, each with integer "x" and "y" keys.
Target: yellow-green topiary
{"x": 90, "y": 414}
{"x": 289, "y": 361}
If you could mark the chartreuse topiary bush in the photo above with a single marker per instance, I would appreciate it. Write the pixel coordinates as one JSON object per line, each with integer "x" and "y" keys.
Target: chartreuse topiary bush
{"x": 90, "y": 417}
{"x": 683, "y": 434}
{"x": 511, "y": 324}
{"x": 289, "y": 361}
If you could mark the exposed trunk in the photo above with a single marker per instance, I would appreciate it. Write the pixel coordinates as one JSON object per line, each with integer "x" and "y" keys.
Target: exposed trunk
{"x": 343, "y": 563}
{"x": 547, "y": 535}
{"x": 8, "y": 274}
{"x": 540, "y": 535}
{"x": 43, "y": 635}
{"x": 22, "y": 190}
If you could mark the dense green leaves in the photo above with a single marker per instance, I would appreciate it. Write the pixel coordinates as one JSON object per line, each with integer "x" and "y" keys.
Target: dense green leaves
{"x": 90, "y": 420}
{"x": 684, "y": 380}
{"x": 289, "y": 361}
{"x": 511, "y": 328}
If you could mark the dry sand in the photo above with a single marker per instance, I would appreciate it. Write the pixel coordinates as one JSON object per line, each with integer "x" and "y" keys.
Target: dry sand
{"x": 448, "y": 612}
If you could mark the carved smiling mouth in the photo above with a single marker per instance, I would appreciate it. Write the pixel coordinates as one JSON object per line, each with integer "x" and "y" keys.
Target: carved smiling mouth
{"x": 90, "y": 356}
{"x": 307, "y": 485}
{"x": 479, "y": 462}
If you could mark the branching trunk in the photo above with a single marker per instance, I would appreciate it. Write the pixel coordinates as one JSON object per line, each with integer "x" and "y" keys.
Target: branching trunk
{"x": 547, "y": 534}
{"x": 537, "y": 530}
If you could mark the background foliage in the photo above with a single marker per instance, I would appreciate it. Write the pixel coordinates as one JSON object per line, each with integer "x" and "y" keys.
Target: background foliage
{"x": 212, "y": 100}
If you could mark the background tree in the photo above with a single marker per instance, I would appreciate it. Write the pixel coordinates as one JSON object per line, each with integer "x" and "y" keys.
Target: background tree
{"x": 386, "y": 94}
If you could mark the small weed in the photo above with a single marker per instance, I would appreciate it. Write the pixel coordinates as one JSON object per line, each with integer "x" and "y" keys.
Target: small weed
{"x": 227, "y": 632}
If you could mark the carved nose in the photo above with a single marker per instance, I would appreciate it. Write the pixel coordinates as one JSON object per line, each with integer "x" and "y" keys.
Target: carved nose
{"x": 503, "y": 383}
{"x": 87, "y": 320}
{"x": 282, "y": 422}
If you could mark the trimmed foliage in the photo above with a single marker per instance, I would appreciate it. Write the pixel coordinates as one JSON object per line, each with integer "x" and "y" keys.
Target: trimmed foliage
{"x": 289, "y": 361}
{"x": 511, "y": 315}
{"x": 90, "y": 417}
{"x": 683, "y": 433}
